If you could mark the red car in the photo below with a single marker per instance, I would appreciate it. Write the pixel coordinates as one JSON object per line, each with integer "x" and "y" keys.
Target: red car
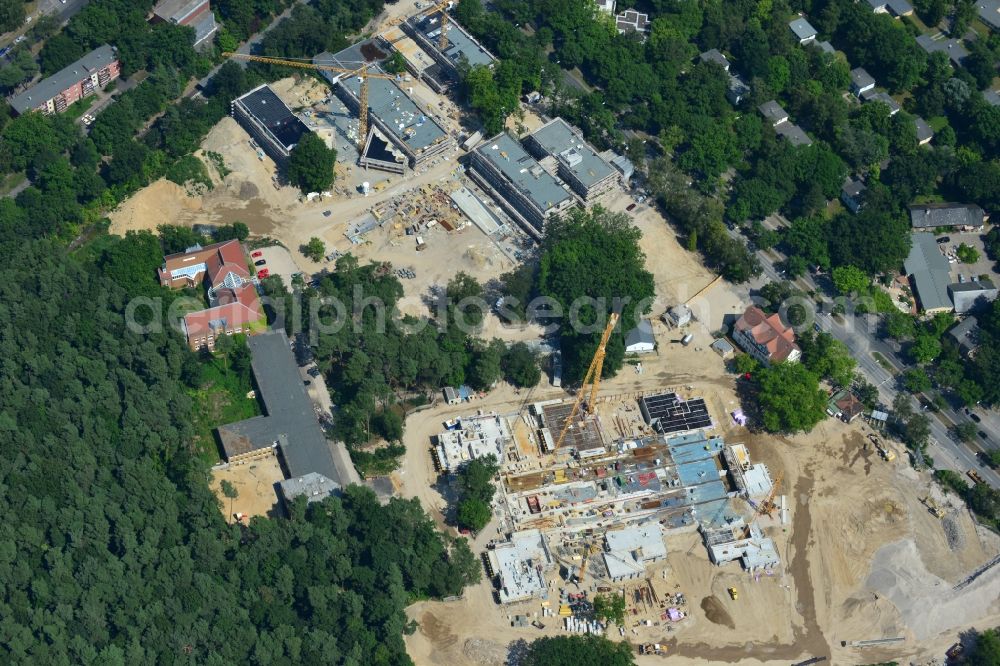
{"x": 630, "y": 207}
{"x": 256, "y": 254}
{"x": 263, "y": 273}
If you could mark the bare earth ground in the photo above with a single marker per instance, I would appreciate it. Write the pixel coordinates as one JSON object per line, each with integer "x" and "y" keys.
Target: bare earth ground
{"x": 255, "y": 482}
{"x": 862, "y": 557}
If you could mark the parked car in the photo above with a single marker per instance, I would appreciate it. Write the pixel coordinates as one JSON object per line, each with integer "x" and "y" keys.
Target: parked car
{"x": 327, "y": 213}
{"x": 263, "y": 273}
{"x": 256, "y": 254}
{"x": 944, "y": 239}
{"x": 630, "y": 207}
{"x": 260, "y": 262}
{"x": 975, "y": 417}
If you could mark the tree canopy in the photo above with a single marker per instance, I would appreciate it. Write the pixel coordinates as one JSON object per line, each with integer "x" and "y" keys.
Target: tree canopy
{"x": 587, "y": 650}
{"x": 310, "y": 166}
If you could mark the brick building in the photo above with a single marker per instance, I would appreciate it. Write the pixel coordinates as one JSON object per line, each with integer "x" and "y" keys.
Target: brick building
{"x": 74, "y": 82}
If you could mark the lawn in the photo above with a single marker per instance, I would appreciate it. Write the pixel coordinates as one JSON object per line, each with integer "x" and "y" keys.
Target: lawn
{"x": 10, "y": 181}
{"x": 77, "y": 109}
{"x": 221, "y": 399}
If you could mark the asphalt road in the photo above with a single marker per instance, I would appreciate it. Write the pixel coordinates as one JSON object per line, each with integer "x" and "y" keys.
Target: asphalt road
{"x": 859, "y": 333}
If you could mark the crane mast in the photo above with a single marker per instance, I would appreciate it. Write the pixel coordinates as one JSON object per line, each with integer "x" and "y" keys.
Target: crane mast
{"x": 593, "y": 378}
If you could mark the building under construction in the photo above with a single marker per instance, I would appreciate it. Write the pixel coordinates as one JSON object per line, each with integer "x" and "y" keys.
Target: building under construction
{"x": 402, "y": 135}
{"x": 269, "y": 120}
{"x": 560, "y": 148}
{"x": 425, "y": 29}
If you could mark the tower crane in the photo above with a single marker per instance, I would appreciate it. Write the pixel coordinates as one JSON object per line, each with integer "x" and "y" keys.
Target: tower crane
{"x": 593, "y": 378}
{"x": 442, "y": 7}
{"x": 361, "y": 72}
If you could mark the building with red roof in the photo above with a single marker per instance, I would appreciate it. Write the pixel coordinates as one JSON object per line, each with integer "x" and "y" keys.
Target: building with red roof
{"x": 232, "y": 292}
{"x": 766, "y": 338}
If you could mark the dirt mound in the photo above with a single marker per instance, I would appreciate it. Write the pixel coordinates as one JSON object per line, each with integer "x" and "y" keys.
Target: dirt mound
{"x": 437, "y": 631}
{"x": 482, "y": 651}
{"x": 248, "y": 190}
{"x": 716, "y": 612}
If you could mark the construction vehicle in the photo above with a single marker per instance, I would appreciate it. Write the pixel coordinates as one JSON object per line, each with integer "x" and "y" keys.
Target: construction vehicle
{"x": 591, "y": 549}
{"x": 361, "y": 72}
{"x": 932, "y": 506}
{"x": 974, "y": 475}
{"x": 593, "y": 377}
{"x": 734, "y": 594}
{"x": 887, "y": 454}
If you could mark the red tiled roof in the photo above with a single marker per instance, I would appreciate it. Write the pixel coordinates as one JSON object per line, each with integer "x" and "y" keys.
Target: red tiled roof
{"x": 769, "y": 332}
{"x": 238, "y": 307}
{"x": 214, "y": 256}
{"x": 217, "y": 272}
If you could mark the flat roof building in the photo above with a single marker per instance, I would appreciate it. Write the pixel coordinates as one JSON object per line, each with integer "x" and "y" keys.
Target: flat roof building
{"x": 81, "y": 79}
{"x": 289, "y": 423}
{"x": 315, "y": 487}
{"x": 965, "y": 295}
{"x": 518, "y": 182}
{"x": 751, "y": 479}
{"x": 196, "y": 14}
{"x": 519, "y": 565}
{"x": 628, "y": 551}
{"x": 928, "y": 270}
{"x": 738, "y": 541}
{"x": 395, "y": 115}
{"x": 577, "y": 163}
{"x": 668, "y": 413}
{"x": 269, "y": 121}
{"x": 632, "y": 21}
{"x": 425, "y": 29}
{"x": 474, "y": 437}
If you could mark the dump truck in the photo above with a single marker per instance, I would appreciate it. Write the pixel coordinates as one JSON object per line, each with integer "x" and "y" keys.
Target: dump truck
{"x": 734, "y": 594}
{"x": 974, "y": 475}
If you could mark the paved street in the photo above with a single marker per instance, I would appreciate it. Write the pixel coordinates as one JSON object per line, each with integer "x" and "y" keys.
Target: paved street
{"x": 859, "y": 333}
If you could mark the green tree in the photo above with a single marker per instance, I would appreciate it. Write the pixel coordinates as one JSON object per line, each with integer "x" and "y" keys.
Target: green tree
{"x": 789, "y": 398}
{"x": 966, "y": 431}
{"x": 520, "y": 366}
{"x": 229, "y": 491}
{"x": 486, "y": 365}
{"x": 473, "y": 514}
{"x": 315, "y": 249}
{"x": 11, "y": 14}
{"x": 967, "y": 254}
{"x": 610, "y": 608}
{"x": 925, "y": 348}
{"x": 587, "y": 650}
{"x": 396, "y": 64}
{"x": 899, "y": 325}
{"x": 850, "y": 280}
{"x": 916, "y": 380}
{"x": 310, "y": 165}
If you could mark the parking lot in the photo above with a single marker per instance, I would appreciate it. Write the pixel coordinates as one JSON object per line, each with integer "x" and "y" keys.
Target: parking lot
{"x": 984, "y": 266}
{"x": 278, "y": 261}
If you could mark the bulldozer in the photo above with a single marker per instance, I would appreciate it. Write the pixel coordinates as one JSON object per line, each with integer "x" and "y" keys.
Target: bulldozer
{"x": 932, "y": 506}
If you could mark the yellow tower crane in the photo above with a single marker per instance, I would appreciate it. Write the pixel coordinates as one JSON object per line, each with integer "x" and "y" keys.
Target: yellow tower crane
{"x": 442, "y": 7}
{"x": 361, "y": 72}
{"x": 593, "y": 378}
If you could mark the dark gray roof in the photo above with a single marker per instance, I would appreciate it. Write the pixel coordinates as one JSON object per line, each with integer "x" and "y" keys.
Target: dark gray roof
{"x": 737, "y": 88}
{"x": 929, "y": 216}
{"x": 861, "y": 79}
{"x": 899, "y": 7}
{"x": 825, "y": 47}
{"x": 795, "y": 134}
{"x": 714, "y": 55}
{"x": 642, "y": 333}
{"x": 965, "y": 333}
{"x": 176, "y": 10}
{"x": 49, "y": 87}
{"x": 853, "y": 188}
{"x": 929, "y": 269}
{"x": 272, "y": 113}
{"x": 992, "y": 97}
{"x": 956, "y": 52}
{"x": 887, "y": 100}
{"x": 802, "y": 29}
{"x": 989, "y": 12}
{"x": 460, "y": 43}
{"x": 924, "y": 130}
{"x": 773, "y": 112}
{"x": 290, "y": 420}
{"x": 205, "y": 27}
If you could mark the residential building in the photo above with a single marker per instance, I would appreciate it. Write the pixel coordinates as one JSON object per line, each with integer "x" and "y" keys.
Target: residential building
{"x": 989, "y": 13}
{"x": 924, "y": 131}
{"x": 606, "y": 6}
{"x": 992, "y": 97}
{"x": 793, "y": 134}
{"x": 802, "y": 30}
{"x": 939, "y": 42}
{"x": 406, "y": 134}
{"x": 861, "y": 81}
{"x": 621, "y": 164}
{"x": 314, "y": 487}
{"x": 965, "y": 295}
{"x": 71, "y": 83}
{"x": 765, "y": 337}
{"x": 737, "y": 89}
{"x": 966, "y": 335}
{"x": 577, "y": 163}
{"x": 196, "y": 14}
{"x": 739, "y": 541}
{"x": 517, "y": 182}
{"x": 269, "y": 121}
{"x": 628, "y": 551}
{"x": 632, "y": 21}
{"x": 714, "y": 55}
{"x": 425, "y": 29}
{"x": 894, "y": 8}
{"x": 884, "y": 98}
{"x": 845, "y": 406}
{"x": 289, "y": 426}
{"x": 640, "y": 340}
{"x": 928, "y": 270}
{"x": 235, "y": 306}
{"x": 852, "y": 194}
{"x": 518, "y": 566}
{"x": 966, "y": 217}
{"x": 825, "y": 47}
{"x": 773, "y": 112}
